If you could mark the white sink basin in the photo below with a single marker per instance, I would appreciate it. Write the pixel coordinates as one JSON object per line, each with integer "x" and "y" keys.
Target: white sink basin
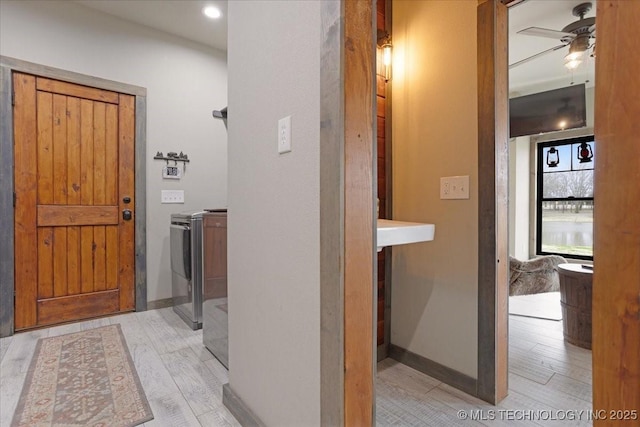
{"x": 391, "y": 232}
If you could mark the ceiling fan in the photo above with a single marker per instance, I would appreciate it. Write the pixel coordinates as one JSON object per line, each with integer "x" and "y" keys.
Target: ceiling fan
{"x": 576, "y": 35}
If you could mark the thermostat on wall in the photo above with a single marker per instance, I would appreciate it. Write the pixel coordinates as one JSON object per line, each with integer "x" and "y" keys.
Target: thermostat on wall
{"x": 171, "y": 172}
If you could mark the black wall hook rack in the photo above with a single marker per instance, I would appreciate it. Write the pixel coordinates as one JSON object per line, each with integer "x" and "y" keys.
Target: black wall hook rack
{"x": 172, "y": 156}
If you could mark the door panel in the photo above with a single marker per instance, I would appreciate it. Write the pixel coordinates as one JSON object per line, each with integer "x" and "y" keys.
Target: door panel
{"x": 126, "y": 183}
{"x": 74, "y": 164}
{"x": 28, "y": 240}
{"x": 55, "y": 215}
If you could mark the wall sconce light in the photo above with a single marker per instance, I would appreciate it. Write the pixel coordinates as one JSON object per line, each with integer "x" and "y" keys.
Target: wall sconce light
{"x": 553, "y": 157}
{"x": 585, "y": 154}
{"x": 384, "y": 43}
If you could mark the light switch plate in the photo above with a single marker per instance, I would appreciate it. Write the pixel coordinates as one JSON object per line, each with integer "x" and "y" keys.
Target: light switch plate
{"x": 172, "y": 196}
{"x": 454, "y": 187}
{"x": 284, "y": 135}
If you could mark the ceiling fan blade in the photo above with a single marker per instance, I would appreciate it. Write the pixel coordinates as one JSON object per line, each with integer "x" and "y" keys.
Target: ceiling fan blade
{"x": 544, "y": 52}
{"x": 544, "y": 32}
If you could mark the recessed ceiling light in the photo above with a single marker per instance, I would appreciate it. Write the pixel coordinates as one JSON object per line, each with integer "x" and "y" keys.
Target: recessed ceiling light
{"x": 212, "y": 12}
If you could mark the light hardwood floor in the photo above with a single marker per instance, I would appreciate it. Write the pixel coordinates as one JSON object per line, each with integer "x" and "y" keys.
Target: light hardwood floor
{"x": 548, "y": 379}
{"x": 181, "y": 378}
{"x": 183, "y": 381}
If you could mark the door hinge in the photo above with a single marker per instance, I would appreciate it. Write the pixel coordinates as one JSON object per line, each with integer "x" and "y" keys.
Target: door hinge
{"x": 13, "y": 98}
{"x": 14, "y": 199}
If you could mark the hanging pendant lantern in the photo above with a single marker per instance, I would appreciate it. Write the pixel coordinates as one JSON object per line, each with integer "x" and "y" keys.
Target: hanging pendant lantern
{"x": 553, "y": 157}
{"x": 585, "y": 154}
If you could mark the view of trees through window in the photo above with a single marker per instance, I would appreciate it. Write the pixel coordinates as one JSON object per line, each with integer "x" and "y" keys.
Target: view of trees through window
{"x": 565, "y": 197}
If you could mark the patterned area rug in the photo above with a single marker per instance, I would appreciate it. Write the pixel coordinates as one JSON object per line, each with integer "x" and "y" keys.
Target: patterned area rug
{"x": 81, "y": 379}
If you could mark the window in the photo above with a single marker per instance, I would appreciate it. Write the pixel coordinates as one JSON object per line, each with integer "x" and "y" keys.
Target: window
{"x": 565, "y": 198}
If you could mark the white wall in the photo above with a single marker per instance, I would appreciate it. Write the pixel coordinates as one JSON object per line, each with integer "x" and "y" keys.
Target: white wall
{"x": 520, "y": 176}
{"x": 435, "y": 284}
{"x": 274, "y": 212}
{"x": 185, "y": 81}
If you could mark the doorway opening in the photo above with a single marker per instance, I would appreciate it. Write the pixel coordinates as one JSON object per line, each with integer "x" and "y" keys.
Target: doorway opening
{"x": 550, "y": 190}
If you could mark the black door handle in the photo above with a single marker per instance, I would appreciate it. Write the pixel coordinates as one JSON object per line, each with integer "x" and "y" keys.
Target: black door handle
{"x": 126, "y": 215}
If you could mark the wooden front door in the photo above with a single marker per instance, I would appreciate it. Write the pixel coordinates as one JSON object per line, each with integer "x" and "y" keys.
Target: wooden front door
{"x": 74, "y": 183}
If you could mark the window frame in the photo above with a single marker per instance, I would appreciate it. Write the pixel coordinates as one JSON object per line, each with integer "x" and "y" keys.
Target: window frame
{"x": 540, "y": 162}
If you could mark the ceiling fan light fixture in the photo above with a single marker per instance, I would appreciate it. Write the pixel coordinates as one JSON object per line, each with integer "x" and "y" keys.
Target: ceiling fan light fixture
{"x": 577, "y": 49}
{"x": 572, "y": 64}
{"x": 574, "y": 56}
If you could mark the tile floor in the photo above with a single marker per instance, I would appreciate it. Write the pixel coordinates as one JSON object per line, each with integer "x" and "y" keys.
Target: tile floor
{"x": 183, "y": 381}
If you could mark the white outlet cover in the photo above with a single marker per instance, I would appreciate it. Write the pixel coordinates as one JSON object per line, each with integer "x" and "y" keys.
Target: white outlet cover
{"x": 454, "y": 187}
{"x": 172, "y": 196}
{"x": 284, "y": 135}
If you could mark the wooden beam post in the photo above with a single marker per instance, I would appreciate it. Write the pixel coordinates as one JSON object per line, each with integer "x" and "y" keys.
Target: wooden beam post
{"x": 493, "y": 160}
{"x": 359, "y": 219}
{"x": 616, "y": 272}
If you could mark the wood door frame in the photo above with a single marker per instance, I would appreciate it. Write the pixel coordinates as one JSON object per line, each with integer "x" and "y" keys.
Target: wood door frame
{"x": 492, "y": 381}
{"x": 616, "y": 305}
{"x": 347, "y": 196}
{"x": 616, "y": 275}
{"x": 9, "y": 65}
{"x": 493, "y": 176}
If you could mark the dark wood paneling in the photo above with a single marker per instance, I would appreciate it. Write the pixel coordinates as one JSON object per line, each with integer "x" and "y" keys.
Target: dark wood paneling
{"x": 380, "y": 102}
{"x": 380, "y": 120}
{"x": 616, "y": 273}
{"x": 381, "y": 86}
{"x": 381, "y": 152}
